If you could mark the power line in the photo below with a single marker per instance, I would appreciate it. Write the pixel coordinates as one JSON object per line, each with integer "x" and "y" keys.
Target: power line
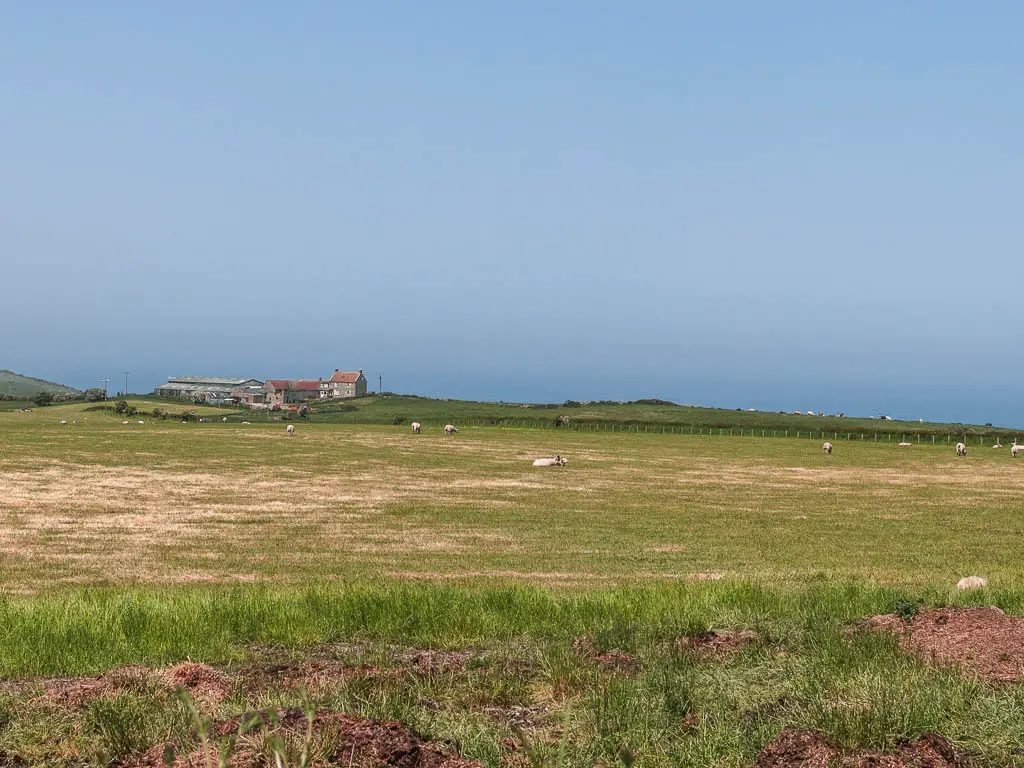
{"x": 105, "y": 383}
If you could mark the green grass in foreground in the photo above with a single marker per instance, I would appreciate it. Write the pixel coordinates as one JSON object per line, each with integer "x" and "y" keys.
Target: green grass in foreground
{"x": 676, "y": 709}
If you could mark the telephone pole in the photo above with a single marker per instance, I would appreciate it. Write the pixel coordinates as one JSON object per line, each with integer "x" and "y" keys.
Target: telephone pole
{"x": 380, "y": 383}
{"x": 105, "y": 383}
{"x": 126, "y": 383}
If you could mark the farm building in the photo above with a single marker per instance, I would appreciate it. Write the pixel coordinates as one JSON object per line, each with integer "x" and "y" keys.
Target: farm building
{"x": 207, "y": 388}
{"x": 286, "y": 391}
{"x": 343, "y": 384}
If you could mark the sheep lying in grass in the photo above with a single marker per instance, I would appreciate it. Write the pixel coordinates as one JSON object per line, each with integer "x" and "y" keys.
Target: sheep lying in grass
{"x": 416, "y": 427}
{"x": 905, "y": 445}
{"x": 557, "y": 461}
{"x": 972, "y": 582}
{"x": 827, "y": 448}
{"x": 961, "y": 449}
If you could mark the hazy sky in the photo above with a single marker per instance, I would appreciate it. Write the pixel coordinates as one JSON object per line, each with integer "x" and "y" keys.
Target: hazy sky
{"x": 745, "y": 204}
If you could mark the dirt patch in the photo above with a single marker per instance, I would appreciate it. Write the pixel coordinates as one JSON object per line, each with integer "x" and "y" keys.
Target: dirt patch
{"x": 428, "y": 658}
{"x": 717, "y": 643}
{"x": 803, "y": 749}
{"x": 518, "y": 715}
{"x": 981, "y": 641}
{"x": 78, "y": 691}
{"x": 204, "y": 683}
{"x": 315, "y": 676}
{"x": 616, "y": 660}
{"x": 338, "y": 740}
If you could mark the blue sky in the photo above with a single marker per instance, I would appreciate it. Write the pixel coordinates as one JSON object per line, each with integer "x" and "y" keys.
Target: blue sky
{"x": 787, "y": 205}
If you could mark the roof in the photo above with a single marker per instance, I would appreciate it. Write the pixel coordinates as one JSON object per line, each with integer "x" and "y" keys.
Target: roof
{"x": 341, "y": 377}
{"x": 208, "y": 380}
{"x": 173, "y": 387}
{"x": 295, "y": 384}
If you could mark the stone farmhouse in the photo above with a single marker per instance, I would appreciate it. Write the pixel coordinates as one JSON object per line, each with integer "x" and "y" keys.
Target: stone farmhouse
{"x": 343, "y": 384}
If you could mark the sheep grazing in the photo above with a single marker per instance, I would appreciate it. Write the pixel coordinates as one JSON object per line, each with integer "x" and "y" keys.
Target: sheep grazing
{"x": 416, "y": 427}
{"x": 1015, "y": 449}
{"x": 225, "y": 419}
{"x": 827, "y": 448}
{"x": 63, "y": 421}
{"x": 450, "y": 429}
{"x": 290, "y": 429}
{"x": 557, "y": 461}
{"x": 972, "y": 582}
{"x": 961, "y": 449}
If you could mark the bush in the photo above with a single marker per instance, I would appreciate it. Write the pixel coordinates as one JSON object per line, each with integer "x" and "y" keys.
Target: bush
{"x": 94, "y": 395}
{"x": 122, "y": 406}
{"x": 42, "y": 398}
{"x": 398, "y": 420}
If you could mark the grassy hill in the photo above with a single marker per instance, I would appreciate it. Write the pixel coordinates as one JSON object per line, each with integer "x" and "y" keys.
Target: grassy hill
{"x": 650, "y": 414}
{"x": 17, "y": 385}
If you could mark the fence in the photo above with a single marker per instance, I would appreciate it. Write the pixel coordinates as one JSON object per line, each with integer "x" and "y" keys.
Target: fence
{"x": 676, "y": 429}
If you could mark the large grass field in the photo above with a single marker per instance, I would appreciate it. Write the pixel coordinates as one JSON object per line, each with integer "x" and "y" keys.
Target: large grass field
{"x": 354, "y": 548}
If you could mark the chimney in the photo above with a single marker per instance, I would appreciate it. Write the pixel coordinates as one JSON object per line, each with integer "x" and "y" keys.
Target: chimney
{"x": 335, "y": 370}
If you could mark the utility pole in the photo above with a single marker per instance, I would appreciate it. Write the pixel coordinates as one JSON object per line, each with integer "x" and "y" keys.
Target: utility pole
{"x": 126, "y": 383}
{"x": 105, "y": 383}
{"x": 380, "y": 383}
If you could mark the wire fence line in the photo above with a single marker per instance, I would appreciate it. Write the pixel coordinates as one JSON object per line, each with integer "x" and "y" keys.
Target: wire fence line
{"x": 916, "y": 438}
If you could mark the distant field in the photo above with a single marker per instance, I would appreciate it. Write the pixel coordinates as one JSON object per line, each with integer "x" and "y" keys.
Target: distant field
{"x": 678, "y": 598}
{"x": 389, "y": 409}
{"x": 99, "y": 502}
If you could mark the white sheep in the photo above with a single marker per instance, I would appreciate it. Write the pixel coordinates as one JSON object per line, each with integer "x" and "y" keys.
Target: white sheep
{"x": 557, "y": 461}
{"x": 63, "y": 421}
{"x": 904, "y": 445}
{"x": 225, "y": 419}
{"x": 290, "y": 429}
{"x": 972, "y": 582}
{"x": 141, "y": 421}
{"x": 450, "y": 429}
{"x": 125, "y": 422}
{"x": 827, "y": 448}
{"x": 961, "y": 449}
{"x": 416, "y": 427}
{"x": 1015, "y": 449}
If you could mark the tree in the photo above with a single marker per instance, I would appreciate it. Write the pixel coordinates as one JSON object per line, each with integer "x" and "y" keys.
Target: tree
{"x": 94, "y": 394}
{"x": 122, "y": 406}
{"x": 42, "y": 398}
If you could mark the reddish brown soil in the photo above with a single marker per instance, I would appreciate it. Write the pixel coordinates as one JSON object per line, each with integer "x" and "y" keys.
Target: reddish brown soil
{"x": 981, "y": 641}
{"x": 804, "y": 749}
{"x": 204, "y": 683}
{"x": 78, "y": 691}
{"x": 439, "y": 660}
{"x": 617, "y": 660}
{"x": 315, "y": 675}
{"x": 716, "y": 643}
{"x": 353, "y": 741}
